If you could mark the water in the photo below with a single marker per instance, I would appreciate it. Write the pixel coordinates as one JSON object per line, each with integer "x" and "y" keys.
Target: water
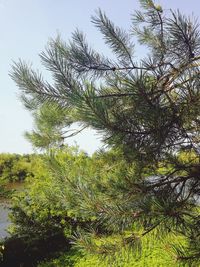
{"x": 4, "y": 209}
{"x": 4, "y": 220}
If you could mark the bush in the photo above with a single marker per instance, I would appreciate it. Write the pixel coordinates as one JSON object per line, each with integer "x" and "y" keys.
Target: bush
{"x": 15, "y": 167}
{"x": 158, "y": 255}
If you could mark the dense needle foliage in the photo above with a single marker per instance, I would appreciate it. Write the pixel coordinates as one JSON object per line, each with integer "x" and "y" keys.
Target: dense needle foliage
{"x": 148, "y": 109}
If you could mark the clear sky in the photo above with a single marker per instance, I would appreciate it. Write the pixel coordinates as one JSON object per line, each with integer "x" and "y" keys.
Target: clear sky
{"x": 26, "y": 26}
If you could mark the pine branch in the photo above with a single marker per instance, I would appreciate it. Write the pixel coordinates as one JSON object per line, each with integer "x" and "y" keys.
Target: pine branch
{"x": 116, "y": 38}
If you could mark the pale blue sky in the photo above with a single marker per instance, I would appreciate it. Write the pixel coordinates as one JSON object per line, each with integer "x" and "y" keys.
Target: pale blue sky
{"x": 26, "y": 26}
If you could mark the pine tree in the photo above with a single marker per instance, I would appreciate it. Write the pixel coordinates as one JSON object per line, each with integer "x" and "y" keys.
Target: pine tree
{"x": 148, "y": 108}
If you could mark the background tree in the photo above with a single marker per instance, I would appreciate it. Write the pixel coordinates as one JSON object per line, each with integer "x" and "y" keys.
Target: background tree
{"x": 147, "y": 108}
{"x": 17, "y": 168}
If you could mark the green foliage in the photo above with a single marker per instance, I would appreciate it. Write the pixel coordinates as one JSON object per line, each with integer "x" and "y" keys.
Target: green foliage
{"x": 66, "y": 259}
{"x": 55, "y": 199}
{"x": 157, "y": 254}
{"x": 147, "y": 110}
{"x": 15, "y": 170}
{"x": 32, "y": 213}
{"x": 14, "y": 167}
{"x": 67, "y": 195}
{"x": 49, "y": 124}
